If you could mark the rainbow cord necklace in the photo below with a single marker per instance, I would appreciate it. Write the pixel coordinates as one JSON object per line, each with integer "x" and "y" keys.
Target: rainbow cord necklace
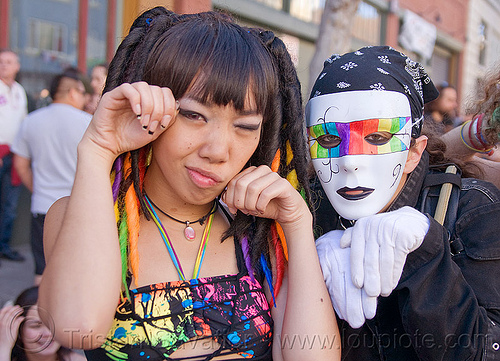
{"x": 170, "y": 248}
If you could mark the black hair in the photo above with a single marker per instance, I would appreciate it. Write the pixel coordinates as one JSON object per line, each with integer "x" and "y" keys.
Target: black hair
{"x": 70, "y": 73}
{"x": 214, "y": 59}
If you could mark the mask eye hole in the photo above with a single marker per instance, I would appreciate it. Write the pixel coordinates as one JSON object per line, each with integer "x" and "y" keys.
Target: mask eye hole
{"x": 378, "y": 138}
{"x": 329, "y": 141}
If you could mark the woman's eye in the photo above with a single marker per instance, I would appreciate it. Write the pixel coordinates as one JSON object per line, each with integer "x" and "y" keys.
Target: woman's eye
{"x": 329, "y": 140}
{"x": 249, "y": 127}
{"x": 33, "y": 324}
{"x": 378, "y": 138}
{"x": 191, "y": 115}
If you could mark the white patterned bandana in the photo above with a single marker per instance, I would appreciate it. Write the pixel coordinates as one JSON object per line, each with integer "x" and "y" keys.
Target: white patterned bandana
{"x": 378, "y": 68}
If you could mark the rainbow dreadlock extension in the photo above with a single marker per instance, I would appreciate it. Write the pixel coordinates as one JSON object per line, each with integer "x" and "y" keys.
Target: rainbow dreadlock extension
{"x": 127, "y": 215}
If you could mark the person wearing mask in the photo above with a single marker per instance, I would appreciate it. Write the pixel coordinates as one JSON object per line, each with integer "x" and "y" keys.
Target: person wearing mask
{"x": 412, "y": 279}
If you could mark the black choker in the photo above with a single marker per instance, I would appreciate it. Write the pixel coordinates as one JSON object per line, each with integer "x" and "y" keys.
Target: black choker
{"x": 189, "y": 232}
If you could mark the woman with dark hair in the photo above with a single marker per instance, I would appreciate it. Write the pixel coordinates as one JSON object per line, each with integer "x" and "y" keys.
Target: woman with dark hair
{"x": 183, "y": 254}
{"x": 442, "y": 111}
{"x": 97, "y": 82}
{"x": 23, "y": 336}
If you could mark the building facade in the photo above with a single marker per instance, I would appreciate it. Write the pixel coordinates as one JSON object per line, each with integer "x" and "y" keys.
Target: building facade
{"x": 50, "y": 35}
{"x": 482, "y": 54}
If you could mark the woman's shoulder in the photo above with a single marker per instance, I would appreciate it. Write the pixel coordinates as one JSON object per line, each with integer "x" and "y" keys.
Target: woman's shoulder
{"x": 475, "y": 187}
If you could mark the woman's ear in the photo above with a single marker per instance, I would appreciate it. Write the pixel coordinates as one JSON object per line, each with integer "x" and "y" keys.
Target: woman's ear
{"x": 415, "y": 153}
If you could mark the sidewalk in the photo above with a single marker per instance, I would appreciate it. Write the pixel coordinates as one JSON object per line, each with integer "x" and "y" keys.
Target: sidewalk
{"x": 16, "y": 276}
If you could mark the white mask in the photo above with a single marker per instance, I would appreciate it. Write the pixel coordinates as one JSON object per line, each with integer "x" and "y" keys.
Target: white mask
{"x": 359, "y": 143}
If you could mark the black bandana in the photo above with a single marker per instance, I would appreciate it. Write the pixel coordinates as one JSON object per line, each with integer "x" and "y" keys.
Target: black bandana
{"x": 378, "y": 68}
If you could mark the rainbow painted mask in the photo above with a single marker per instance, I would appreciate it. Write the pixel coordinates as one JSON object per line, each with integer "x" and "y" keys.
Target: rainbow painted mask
{"x": 351, "y": 137}
{"x": 359, "y": 143}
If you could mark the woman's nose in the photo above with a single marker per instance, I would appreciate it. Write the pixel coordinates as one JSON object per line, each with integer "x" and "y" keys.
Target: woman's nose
{"x": 216, "y": 145}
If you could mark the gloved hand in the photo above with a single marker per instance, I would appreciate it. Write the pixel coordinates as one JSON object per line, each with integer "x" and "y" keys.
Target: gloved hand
{"x": 350, "y": 302}
{"x": 379, "y": 245}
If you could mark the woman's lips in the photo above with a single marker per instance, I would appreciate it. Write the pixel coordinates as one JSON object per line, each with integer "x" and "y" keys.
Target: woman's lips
{"x": 203, "y": 179}
{"x": 355, "y": 194}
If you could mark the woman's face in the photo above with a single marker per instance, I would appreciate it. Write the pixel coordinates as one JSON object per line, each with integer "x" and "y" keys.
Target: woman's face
{"x": 448, "y": 101}
{"x": 98, "y": 79}
{"x": 359, "y": 143}
{"x": 36, "y": 337}
{"x": 204, "y": 148}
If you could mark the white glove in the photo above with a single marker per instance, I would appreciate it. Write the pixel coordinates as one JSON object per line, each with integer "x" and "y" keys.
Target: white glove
{"x": 379, "y": 246}
{"x": 350, "y": 302}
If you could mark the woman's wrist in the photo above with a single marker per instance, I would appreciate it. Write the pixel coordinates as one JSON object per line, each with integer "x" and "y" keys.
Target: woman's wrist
{"x": 300, "y": 226}
{"x": 472, "y": 135}
{"x": 89, "y": 150}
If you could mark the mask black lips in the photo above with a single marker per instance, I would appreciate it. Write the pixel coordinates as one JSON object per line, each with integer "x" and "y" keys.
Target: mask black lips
{"x": 365, "y": 192}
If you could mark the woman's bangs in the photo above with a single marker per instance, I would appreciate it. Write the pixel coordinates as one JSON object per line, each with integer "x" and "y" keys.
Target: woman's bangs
{"x": 205, "y": 68}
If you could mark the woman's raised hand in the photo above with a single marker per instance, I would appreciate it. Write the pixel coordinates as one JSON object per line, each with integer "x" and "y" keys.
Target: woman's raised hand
{"x": 131, "y": 116}
{"x": 263, "y": 193}
{"x": 10, "y": 320}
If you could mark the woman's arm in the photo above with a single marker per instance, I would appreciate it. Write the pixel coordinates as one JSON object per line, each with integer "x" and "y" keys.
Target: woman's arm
{"x": 80, "y": 287}
{"x": 309, "y": 330}
{"x": 305, "y": 324}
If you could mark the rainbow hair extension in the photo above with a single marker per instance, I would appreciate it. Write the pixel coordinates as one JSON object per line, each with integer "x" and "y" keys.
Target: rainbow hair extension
{"x": 280, "y": 258}
{"x": 278, "y": 239}
{"x": 127, "y": 194}
{"x": 269, "y": 276}
{"x": 292, "y": 175}
{"x": 276, "y": 162}
{"x": 132, "y": 220}
{"x": 116, "y": 177}
{"x": 123, "y": 237}
{"x": 246, "y": 256}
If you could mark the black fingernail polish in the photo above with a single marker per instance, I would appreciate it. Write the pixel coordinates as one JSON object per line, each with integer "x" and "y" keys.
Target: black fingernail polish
{"x": 161, "y": 125}
{"x": 150, "y": 132}
{"x": 138, "y": 116}
{"x": 144, "y": 127}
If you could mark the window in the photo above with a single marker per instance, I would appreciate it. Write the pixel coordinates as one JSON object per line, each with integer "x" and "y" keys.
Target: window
{"x": 277, "y": 4}
{"x": 482, "y": 42}
{"x": 44, "y": 35}
{"x": 307, "y": 10}
{"x": 367, "y": 24}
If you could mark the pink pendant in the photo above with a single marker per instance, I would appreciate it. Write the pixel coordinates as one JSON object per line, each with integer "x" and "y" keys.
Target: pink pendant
{"x": 189, "y": 233}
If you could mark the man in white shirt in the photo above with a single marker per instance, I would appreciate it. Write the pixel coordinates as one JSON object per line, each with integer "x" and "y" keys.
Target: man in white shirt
{"x": 45, "y": 151}
{"x": 13, "y": 109}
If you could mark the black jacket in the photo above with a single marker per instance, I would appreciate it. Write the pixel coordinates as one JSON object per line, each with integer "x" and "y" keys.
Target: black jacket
{"x": 445, "y": 307}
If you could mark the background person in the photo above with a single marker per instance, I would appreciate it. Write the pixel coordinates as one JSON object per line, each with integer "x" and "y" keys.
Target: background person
{"x": 97, "y": 81}
{"x": 442, "y": 112}
{"x": 45, "y": 153}
{"x": 195, "y": 107}
{"x": 13, "y": 109}
{"x": 23, "y": 336}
